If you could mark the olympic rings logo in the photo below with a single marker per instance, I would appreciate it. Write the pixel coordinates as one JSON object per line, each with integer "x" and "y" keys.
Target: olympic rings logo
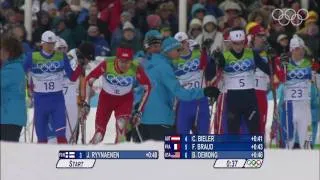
{"x": 118, "y": 80}
{"x": 286, "y": 16}
{"x": 242, "y": 66}
{"x": 49, "y": 67}
{"x": 189, "y": 66}
{"x": 254, "y": 163}
{"x": 298, "y": 74}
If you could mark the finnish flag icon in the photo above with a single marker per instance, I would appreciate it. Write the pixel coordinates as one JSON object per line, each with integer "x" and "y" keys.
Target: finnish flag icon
{"x": 70, "y": 154}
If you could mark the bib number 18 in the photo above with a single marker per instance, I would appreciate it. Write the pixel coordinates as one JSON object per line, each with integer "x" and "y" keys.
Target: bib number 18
{"x": 49, "y": 85}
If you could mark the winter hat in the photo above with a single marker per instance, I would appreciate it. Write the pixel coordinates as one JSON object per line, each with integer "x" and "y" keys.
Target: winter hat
{"x": 230, "y": 5}
{"x": 280, "y": 37}
{"x": 295, "y": 42}
{"x": 126, "y": 14}
{"x": 195, "y": 23}
{"x": 87, "y": 49}
{"x": 181, "y": 36}
{"x": 154, "y": 21}
{"x": 237, "y": 35}
{"x": 257, "y": 29}
{"x": 170, "y": 44}
{"x": 124, "y": 53}
{"x": 196, "y": 8}
{"x": 60, "y": 43}
{"x": 152, "y": 37}
{"x": 313, "y": 17}
{"x": 209, "y": 18}
{"x": 62, "y": 4}
{"x": 48, "y": 37}
{"x": 128, "y": 26}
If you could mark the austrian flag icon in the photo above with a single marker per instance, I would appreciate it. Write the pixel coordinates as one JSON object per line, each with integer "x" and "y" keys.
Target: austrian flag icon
{"x": 175, "y": 138}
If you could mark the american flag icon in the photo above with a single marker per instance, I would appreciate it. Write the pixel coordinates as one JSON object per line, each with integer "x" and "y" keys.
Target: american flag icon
{"x": 70, "y": 154}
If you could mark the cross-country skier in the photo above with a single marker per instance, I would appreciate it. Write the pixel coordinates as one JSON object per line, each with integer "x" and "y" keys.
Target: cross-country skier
{"x": 239, "y": 65}
{"x": 189, "y": 70}
{"x": 296, "y": 107}
{"x": 120, "y": 75}
{"x": 158, "y": 117}
{"x": 47, "y": 71}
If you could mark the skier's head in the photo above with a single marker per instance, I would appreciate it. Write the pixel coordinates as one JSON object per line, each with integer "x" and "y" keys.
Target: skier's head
{"x": 86, "y": 52}
{"x": 297, "y": 47}
{"x": 171, "y": 48}
{"x": 152, "y": 41}
{"x": 124, "y": 59}
{"x": 256, "y": 36}
{"x": 237, "y": 37}
{"x": 48, "y": 40}
{"x": 61, "y": 45}
{"x": 182, "y": 37}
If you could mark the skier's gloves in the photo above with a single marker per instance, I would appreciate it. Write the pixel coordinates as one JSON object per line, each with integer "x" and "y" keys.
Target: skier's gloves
{"x": 219, "y": 58}
{"x": 284, "y": 58}
{"x": 84, "y": 110}
{"x": 136, "y": 118}
{"x": 211, "y": 92}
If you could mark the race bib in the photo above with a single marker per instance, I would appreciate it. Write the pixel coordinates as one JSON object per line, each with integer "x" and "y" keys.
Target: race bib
{"x": 298, "y": 91}
{"x": 70, "y": 88}
{"x": 48, "y": 82}
{"x": 115, "y": 88}
{"x": 239, "y": 81}
{"x": 261, "y": 80}
{"x": 191, "y": 80}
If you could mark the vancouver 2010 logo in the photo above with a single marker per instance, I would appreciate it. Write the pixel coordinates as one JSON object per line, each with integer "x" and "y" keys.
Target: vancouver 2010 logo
{"x": 287, "y": 16}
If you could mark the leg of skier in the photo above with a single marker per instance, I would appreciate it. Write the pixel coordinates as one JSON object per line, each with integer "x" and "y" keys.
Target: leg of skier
{"x": 233, "y": 112}
{"x": 123, "y": 115}
{"x": 104, "y": 111}
{"x": 204, "y": 117}
{"x": 185, "y": 117}
{"x": 302, "y": 121}
{"x": 41, "y": 118}
{"x": 58, "y": 113}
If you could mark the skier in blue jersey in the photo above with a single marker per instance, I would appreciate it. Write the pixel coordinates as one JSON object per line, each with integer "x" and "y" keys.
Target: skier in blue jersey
{"x": 47, "y": 69}
{"x": 158, "y": 117}
{"x": 189, "y": 70}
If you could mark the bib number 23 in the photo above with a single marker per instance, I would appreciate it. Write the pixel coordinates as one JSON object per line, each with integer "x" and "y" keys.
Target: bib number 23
{"x": 296, "y": 93}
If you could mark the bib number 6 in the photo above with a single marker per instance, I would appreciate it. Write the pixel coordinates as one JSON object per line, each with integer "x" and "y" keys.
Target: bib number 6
{"x": 49, "y": 85}
{"x": 296, "y": 93}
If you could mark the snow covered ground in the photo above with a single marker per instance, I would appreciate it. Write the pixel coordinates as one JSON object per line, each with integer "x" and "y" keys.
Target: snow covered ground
{"x": 37, "y": 162}
{"x": 110, "y": 133}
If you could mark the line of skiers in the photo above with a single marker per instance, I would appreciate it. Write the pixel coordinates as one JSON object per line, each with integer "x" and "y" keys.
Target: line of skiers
{"x": 170, "y": 87}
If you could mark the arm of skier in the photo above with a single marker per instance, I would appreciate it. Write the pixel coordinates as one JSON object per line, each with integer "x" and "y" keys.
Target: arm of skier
{"x": 73, "y": 75}
{"x": 27, "y": 63}
{"x": 259, "y": 62}
{"x": 143, "y": 80}
{"x": 169, "y": 79}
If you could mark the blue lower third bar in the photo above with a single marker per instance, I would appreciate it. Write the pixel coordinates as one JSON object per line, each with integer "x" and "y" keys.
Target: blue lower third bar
{"x": 121, "y": 154}
{"x": 223, "y": 155}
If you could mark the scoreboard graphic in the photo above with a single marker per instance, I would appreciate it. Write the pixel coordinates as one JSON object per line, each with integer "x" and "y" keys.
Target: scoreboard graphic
{"x": 228, "y": 151}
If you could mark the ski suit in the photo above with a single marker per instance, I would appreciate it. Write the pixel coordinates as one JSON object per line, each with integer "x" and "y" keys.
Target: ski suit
{"x": 116, "y": 94}
{"x": 47, "y": 73}
{"x": 189, "y": 71}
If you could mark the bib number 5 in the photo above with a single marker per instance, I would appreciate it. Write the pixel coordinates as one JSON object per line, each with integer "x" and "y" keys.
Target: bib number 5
{"x": 49, "y": 86}
{"x": 242, "y": 83}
